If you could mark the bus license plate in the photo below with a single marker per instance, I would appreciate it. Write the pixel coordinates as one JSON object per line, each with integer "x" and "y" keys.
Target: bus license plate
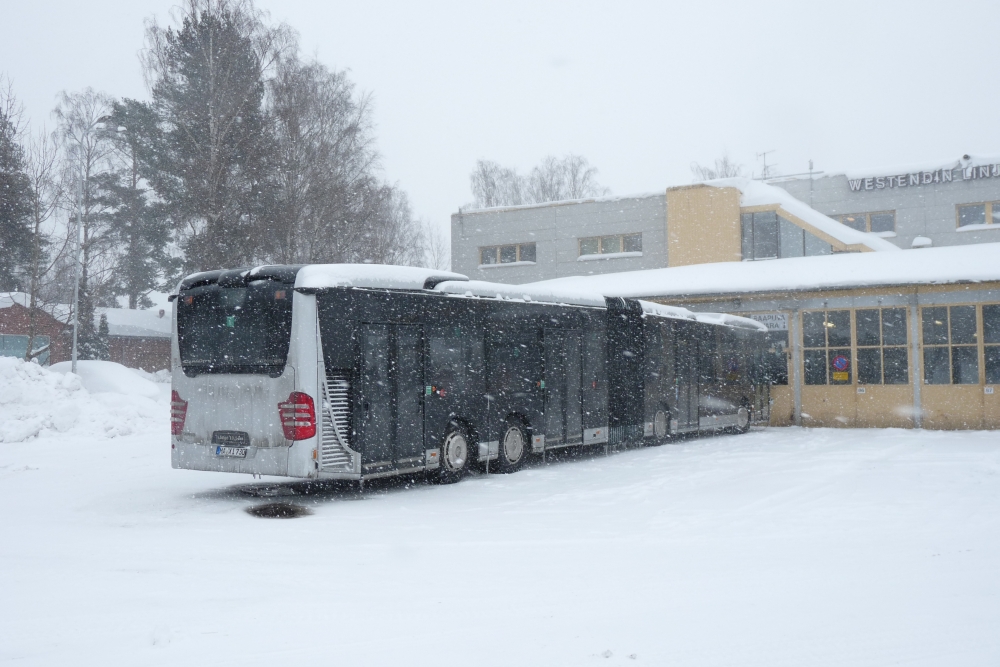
{"x": 234, "y": 452}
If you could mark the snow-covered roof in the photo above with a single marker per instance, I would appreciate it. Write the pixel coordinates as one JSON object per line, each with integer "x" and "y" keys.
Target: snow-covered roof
{"x": 562, "y": 202}
{"x": 319, "y": 276}
{"x": 908, "y": 168}
{"x": 926, "y": 266}
{"x": 60, "y": 311}
{"x": 138, "y": 323}
{"x": 758, "y": 193}
{"x": 541, "y": 294}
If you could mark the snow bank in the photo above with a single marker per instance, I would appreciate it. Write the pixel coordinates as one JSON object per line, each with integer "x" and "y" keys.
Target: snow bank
{"x": 104, "y": 400}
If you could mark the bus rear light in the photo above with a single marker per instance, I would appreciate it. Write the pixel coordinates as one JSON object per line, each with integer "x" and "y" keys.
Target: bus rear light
{"x": 178, "y": 413}
{"x": 298, "y": 416}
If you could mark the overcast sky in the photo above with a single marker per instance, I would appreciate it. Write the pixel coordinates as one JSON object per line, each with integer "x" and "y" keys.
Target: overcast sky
{"x": 640, "y": 89}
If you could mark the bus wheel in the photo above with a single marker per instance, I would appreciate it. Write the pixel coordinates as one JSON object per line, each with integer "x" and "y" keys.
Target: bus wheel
{"x": 513, "y": 447}
{"x": 454, "y": 455}
{"x": 661, "y": 425}
{"x": 742, "y": 419}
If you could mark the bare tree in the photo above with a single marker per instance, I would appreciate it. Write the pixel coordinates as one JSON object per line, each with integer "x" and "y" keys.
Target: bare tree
{"x": 437, "y": 250}
{"x": 211, "y": 159}
{"x": 86, "y": 155}
{"x": 42, "y": 169}
{"x": 725, "y": 167}
{"x": 494, "y": 185}
{"x": 554, "y": 179}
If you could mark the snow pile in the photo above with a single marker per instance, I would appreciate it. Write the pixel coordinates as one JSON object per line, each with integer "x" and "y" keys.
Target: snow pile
{"x": 104, "y": 400}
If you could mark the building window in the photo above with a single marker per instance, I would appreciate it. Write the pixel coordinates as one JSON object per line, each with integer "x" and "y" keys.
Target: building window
{"x": 826, "y": 337}
{"x": 507, "y": 254}
{"x": 767, "y": 235}
{"x": 606, "y": 245}
{"x": 12, "y": 345}
{"x": 991, "y": 342}
{"x": 978, "y": 214}
{"x": 882, "y": 353}
{"x": 951, "y": 351}
{"x": 879, "y": 222}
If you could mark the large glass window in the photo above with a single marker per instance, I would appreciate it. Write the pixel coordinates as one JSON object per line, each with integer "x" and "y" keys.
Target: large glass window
{"x": 826, "y": 337}
{"x": 767, "y": 235}
{"x": 951, "y": 351}
{"x": 12, "y": 345}
{"x": 606, "y": 245}
{"x": 882, "y": 353}
{"x": 507, "y": 254}
{"x": 991, "y": 342}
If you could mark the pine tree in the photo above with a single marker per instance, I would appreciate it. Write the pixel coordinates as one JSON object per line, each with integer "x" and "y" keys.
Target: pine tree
{"x": 87, "y": 343}
{"x": 103, "y": 342}
{"x": 212, "y": 155}
{"x": 15, "y": 200}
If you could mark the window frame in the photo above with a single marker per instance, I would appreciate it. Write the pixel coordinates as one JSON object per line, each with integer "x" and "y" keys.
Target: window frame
{"x": 988, "y": 207}
{"x": 827, "y": 349}
{"x": 620, "y": 238}
{"x": 868, "y": 220}
{"x": 950, "y": 347}
{"x": 865, "y": 349}
{"x": 497, "y": 254}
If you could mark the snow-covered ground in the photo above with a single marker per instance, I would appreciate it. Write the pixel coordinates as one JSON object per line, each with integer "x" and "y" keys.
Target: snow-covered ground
{"x": 780, "y": 547}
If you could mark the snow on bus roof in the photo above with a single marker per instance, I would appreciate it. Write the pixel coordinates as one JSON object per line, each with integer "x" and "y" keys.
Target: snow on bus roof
{"x": 556, "y": 295}
{"x": 384, "y": 276}
{"x": 758, "y": 193}
{"x": 924, "y": 266}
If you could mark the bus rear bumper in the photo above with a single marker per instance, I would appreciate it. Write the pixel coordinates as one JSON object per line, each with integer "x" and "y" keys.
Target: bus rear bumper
{"x": 258, "y": 460}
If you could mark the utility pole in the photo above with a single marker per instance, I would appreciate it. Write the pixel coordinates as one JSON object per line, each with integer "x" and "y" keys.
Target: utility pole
{"x": 810, "y": 183}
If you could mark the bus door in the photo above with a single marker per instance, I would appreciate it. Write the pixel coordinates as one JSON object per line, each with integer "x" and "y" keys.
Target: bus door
{"x": 563, "y": 400}
{"x": 685, "y": 379}
{"x": 390, "y": 400}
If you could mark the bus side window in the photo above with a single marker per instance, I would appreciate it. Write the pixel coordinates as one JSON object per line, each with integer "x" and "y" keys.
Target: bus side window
{"x": 707, "y": 356}
{"x": 447, "y": 357}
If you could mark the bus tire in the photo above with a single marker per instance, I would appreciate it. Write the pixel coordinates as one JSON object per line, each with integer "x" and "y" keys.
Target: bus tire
{"x": 456, "y": 450}
{"x": 513, "y": 449}
{"x": 661, "y": 425}
{"x": 743, "y": 418}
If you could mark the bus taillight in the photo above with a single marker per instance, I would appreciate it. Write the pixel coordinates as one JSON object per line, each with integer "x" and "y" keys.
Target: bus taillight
{"x": 178, "y": 413}
{"x": 298, "y": 416}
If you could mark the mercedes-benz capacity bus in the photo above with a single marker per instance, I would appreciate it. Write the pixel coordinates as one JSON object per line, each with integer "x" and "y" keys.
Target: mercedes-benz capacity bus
{"x": 364, "y": 371}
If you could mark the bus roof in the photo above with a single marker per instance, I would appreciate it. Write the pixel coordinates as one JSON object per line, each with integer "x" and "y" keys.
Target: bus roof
{"x": 383, "y": 276}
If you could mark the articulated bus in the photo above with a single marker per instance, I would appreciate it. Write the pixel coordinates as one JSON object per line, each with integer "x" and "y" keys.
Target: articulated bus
{"x": 363, "y": 371}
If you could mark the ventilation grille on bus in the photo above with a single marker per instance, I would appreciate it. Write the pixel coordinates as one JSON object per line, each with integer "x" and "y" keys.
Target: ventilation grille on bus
{"x": 333, "y": 454}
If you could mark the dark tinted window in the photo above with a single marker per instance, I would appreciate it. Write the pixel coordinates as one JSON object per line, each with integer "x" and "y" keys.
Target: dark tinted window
{"x": 991, "y": 322}
{"x": 935, "y": 325}
{"x": 838, "y": 327}
{"x": 963, "y": 325}
{"x": 815, "y": 366}
{"x": 965, "y": 365}
{"x": 992, "y": 364}
{"x": 813, "y": 329}
{"x": 893, "y": 326}
{"x": 868, "y": 327}
{"x": 765, "y": 235}
{"x": 883, "y": 222}
{"x": 235, "y": 329}
{"x": 936, "y": 366}
{"x": 870, "y": 365}
{"x": 527, "y": 252}
{"x": 896, "y": 367}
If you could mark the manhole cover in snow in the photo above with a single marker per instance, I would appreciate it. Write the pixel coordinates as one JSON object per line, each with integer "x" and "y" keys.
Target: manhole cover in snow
{"x": 278, "y": 511}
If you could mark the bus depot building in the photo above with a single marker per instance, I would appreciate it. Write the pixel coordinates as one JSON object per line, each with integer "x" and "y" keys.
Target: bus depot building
{"x": 870, "y": 339}
{"x": 737, "y": 219}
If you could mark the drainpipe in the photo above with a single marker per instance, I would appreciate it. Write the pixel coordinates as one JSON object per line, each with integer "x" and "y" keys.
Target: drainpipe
{"x": 918, "y": 419}
{"x": 795, "y": 345}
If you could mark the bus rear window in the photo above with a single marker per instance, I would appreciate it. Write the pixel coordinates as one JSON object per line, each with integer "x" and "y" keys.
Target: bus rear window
{"x": 243, "y": 329}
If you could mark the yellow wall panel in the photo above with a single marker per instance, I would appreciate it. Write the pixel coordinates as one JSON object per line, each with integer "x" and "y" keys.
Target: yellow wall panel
{"x": 703, "y": 225}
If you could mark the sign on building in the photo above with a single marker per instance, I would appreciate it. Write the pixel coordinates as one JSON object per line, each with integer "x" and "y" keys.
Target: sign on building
{"x": 773, "y": 321}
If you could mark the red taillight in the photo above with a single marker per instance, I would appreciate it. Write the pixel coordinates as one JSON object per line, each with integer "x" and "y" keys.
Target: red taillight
{"x": 298, "y": 416}
{"x": 178, "y": 413}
